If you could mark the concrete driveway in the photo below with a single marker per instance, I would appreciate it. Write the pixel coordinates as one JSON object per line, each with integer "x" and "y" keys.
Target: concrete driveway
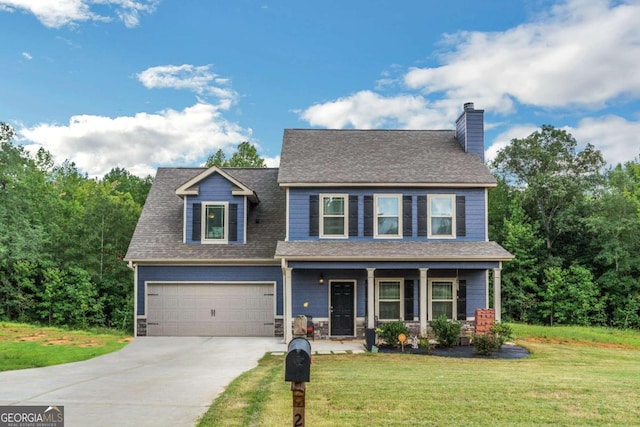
{"x": 151, "y": 382}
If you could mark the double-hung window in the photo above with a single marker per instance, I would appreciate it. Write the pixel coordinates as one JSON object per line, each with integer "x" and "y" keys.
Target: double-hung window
{"x": 390, "y": 299}
{"x": 443, "y": 292}
{"x": 442, "y": 215}
{"x": 215, "y": 222}
{"x": 333, "y": 212}
{"x": 388, "y": 215}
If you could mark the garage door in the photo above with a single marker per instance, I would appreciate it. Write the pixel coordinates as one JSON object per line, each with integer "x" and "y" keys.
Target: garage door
{"x": 193, "y": 309}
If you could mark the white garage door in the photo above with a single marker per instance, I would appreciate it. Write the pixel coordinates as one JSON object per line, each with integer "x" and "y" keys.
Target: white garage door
{"x": 194, "y": 309}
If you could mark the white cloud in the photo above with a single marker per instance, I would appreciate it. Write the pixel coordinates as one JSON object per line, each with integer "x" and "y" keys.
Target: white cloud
{"x": 504, "y": 139}
{"x": 368, "y": 110}
{"x": 27, "y": 56}
{"x": 583, "y": 52}
{"x": 58, "y": 13}
{"x": 272, "y": 162}
{"x": 615, "y": 137}
{"x": 137, "y": 143}
{"x": 199, "y": 79}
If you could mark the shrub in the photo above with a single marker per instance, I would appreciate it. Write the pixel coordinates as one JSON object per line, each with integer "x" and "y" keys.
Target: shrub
{"x": 502, "y": 332}
{"x": 447, "y": 331}
{"x": 389, "y": 332}
{"x": 492, "y": 340}
{"x": 486, "y": 344}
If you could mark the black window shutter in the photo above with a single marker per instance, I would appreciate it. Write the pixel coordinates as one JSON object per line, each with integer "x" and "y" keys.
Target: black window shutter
{"x": 407, "y": 216}
{"x": 314, "y": 216}
{"x": 368, "y": 215}
{"x": 462, "y": 300}
{"x": 233, "y": 222}
{"x": 422, "y": 216}
{"x": 353, "y": 216}
{"x": 408, "y": 300}
{"x": 196, "y": 222}
{"x": 461, "y": 226}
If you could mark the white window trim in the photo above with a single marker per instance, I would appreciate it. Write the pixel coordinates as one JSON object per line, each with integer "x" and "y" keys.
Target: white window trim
{"x": 204, "y": 239}
{"x": 322, "y": 234}
{"x": 430, "y": 234}
{"x": 377, "y": 306}
{"x": 454, "y": 295}
{"x": 375, "y": 216}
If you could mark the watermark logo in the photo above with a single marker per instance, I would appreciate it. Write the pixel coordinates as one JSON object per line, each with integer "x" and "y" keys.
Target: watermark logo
{"x": 31, "y": 416}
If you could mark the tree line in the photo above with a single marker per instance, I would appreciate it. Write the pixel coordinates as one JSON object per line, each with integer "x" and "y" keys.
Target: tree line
{"x": 572, "y": 224}
{"x": 63, "y": 237}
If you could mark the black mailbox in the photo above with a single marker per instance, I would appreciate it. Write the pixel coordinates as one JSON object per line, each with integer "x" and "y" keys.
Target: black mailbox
{"x": 298, "y": 362}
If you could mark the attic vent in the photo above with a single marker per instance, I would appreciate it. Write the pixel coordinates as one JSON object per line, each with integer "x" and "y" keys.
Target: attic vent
{"x": 468, "y": 106}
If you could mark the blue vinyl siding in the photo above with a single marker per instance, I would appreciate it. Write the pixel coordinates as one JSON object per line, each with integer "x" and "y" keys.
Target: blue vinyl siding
{"x": 476, "y": 290}
{"x": 470, "y": 132}
{"x": 306, "y": 289}
{"x": 209, "y": 273}
{"x": 215, "y": 188}
{"x": 474, "y": 201}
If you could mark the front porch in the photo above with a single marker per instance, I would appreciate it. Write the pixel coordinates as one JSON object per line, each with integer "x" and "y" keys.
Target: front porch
{"x": 344, "y": 299}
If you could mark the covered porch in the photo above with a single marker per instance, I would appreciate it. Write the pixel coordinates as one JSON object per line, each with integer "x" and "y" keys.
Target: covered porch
{"x": 346, "y": 287}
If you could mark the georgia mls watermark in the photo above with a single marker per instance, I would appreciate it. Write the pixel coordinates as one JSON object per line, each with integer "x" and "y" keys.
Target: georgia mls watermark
{"x": 31, "y": 416}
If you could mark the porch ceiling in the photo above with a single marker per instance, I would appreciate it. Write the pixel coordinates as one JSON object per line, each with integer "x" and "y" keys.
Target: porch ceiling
{"x": 392, "y": 251}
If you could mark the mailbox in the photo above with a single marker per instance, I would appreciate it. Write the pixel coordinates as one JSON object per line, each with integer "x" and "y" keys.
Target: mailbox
{"x": 298, "y": 361}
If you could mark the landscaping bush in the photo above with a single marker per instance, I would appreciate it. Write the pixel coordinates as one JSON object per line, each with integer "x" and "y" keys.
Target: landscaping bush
{"x": 389, "y": 332}
{"x": 486, "y": 344}
{"x": 492, "y": 340}
{"x": 447, "y": 331}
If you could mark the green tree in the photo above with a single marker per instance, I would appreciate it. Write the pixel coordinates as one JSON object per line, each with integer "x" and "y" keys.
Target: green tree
{"x": 218, "y": 159}
{"x": 246, "y": 156}
{"x": 521, "y": 275}
{"x": 125, "y": 182}
{"x": 570, "y": 297}
{"x": 614, "y": 231}
{"x": 552, "y": 175}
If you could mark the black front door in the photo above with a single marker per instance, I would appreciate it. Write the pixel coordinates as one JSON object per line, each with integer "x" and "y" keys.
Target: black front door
{"x": 341, "y": 307}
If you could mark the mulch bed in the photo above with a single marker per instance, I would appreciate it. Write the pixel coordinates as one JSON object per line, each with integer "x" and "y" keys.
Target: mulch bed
{"x": 507, "y": 351}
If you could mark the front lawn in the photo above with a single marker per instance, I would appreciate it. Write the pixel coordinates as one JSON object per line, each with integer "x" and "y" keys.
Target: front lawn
{"x": 560, "y": 384}
{"x": 26, "y": 346}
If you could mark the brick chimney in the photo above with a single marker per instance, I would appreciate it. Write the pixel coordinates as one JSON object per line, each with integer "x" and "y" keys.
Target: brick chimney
{"x": 470, "y": 130}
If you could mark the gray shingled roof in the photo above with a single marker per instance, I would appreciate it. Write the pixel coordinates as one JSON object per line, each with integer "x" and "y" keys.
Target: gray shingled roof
{"x": 378, "y": 156}
{"x": 392, "y": 251}
{"x": 158, "y": 235}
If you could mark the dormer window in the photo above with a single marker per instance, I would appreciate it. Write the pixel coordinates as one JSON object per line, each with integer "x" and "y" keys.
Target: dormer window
{"x": 215, "y": 222}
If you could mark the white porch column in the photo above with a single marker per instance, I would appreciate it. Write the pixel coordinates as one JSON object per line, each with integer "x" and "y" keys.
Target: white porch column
{"x": 423, "y": 301}
{"x": 497, "y": 297}
{"x": 370, "y": 298}
{"x": 288, "y": 305}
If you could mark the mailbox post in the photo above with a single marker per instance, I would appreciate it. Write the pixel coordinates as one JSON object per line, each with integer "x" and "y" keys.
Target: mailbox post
{"x": 297, "y": 370}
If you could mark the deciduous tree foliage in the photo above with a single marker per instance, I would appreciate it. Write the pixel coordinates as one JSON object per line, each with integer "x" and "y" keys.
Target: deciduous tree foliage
{"x": 246, "y": 156}
{"x": 63, "y": 237}
{"x": 574, "y": 228}
{"x": 551, "y": 174}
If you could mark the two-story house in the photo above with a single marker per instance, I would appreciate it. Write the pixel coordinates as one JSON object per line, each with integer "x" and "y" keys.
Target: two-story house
{"x": 356, "y": 227}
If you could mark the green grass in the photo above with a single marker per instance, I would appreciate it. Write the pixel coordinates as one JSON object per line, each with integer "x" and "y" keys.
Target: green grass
{"x": 578, "y": 334}
{"x": 560, "y": 384}
{"x": 26, "y": 346}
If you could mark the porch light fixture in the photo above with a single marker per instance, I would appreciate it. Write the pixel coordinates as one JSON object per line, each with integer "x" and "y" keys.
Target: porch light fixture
{"x": 321, "y": 279}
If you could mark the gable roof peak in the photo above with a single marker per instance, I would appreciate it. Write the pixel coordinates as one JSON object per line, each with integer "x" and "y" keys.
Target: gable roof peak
{"x": 192, "y": 188}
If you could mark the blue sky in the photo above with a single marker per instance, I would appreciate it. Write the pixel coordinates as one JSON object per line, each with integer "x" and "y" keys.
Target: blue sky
{"x": 144, "y": 83}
